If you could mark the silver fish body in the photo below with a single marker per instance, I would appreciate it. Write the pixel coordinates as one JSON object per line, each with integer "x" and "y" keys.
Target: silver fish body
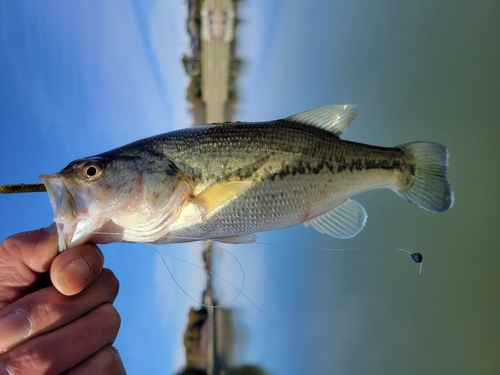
{"x": 228, "y": 181}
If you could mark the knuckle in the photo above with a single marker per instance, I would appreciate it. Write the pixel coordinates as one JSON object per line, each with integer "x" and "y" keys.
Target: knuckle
{"x": 111, "y": 283}
{"x": 10, "y": 244}
{"x": 105, "y": 361}
{"x": 45, "y": 314}
{"x": 11, "y": 248}
{"x": 22, "y": 246}
{"x": 109, "y": 314}
{"x": 24, "y": 361}
{"x": 110, "y": 358}
{"x": 87, "y": 250}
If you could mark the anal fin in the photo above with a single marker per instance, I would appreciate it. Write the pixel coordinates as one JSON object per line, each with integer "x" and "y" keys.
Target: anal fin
{"x": 344, "y": 221}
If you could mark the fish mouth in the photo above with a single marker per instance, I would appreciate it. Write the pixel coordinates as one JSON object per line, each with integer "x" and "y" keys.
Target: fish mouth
{"x": 71, "y": 214}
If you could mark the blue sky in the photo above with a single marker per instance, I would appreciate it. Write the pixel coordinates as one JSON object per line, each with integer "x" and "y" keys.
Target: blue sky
{"x": 79, "y": 78}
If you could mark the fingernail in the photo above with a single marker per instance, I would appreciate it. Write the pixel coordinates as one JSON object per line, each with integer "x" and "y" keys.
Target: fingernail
{"x": 14, "y": 327}
{"x": 74, "y": 275}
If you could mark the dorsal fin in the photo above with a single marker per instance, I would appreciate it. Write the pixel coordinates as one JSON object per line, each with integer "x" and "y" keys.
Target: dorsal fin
{"x": 334, "y": 118}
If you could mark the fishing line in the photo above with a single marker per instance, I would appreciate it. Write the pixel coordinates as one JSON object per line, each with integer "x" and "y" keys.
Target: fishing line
{"x": 205, "y": 271}
{"x": 342, "y": 249}
{"x": 239, "y": 289}
{"x": 241, "y": 293}
{"x": 180, "y": 238}
{"x": 211, "y": 273}
{"x": 415, "y": 257}
{"x": 273, "y": 327}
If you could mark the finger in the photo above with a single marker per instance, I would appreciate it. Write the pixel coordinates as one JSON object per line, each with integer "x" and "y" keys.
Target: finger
{"x": 105, "y": 361}
{"x": 76, "y": 268}
{"x": 47, "y": 310}
{"x": 63, "y": 349}
{"x": 23, "y": 257}
{"x": 36, "y": 248}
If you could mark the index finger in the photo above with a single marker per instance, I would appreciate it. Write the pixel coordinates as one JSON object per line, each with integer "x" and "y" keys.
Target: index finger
{"x": 23, "y": 257}
{"x": 36, "y": 249}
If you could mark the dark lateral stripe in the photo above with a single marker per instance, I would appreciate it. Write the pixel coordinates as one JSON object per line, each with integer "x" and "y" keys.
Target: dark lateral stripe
{"x": 302, "y": 168}
{"x": 340, "y": 166}
{"x": 360, "y": 164}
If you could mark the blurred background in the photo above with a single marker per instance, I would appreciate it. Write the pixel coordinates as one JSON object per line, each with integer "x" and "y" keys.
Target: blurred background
{"x": 79, "y": 78}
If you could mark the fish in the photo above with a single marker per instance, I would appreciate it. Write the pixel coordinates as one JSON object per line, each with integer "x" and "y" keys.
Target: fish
{"x": 228, "y": 181}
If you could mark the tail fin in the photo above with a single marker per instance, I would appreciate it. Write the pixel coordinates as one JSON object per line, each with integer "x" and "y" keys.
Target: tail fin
{"x": 428, "y": 187}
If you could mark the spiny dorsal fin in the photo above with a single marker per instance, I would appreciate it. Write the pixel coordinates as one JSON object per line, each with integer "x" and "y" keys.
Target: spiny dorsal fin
{"x": 344, "y": 221}
{"x": 334, "y": 118}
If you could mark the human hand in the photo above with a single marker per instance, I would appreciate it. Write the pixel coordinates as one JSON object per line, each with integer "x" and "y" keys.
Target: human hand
{"x": 64, "y": 326}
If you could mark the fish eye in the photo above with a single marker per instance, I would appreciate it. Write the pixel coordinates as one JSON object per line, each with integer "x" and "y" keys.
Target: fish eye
{"x": 91, "y": 171}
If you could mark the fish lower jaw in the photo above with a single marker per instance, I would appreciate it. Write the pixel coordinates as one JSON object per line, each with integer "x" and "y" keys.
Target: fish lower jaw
{"x": 65, "y": 235}
{"x": 71, "y": 234}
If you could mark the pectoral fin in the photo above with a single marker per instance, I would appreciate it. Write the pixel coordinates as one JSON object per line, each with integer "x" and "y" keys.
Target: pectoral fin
{"x": 220, "y": 193}
{"x": 344, "y": 221}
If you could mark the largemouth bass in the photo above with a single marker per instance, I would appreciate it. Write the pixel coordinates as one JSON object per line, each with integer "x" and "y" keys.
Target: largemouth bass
{"x": 228, "y": 181}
